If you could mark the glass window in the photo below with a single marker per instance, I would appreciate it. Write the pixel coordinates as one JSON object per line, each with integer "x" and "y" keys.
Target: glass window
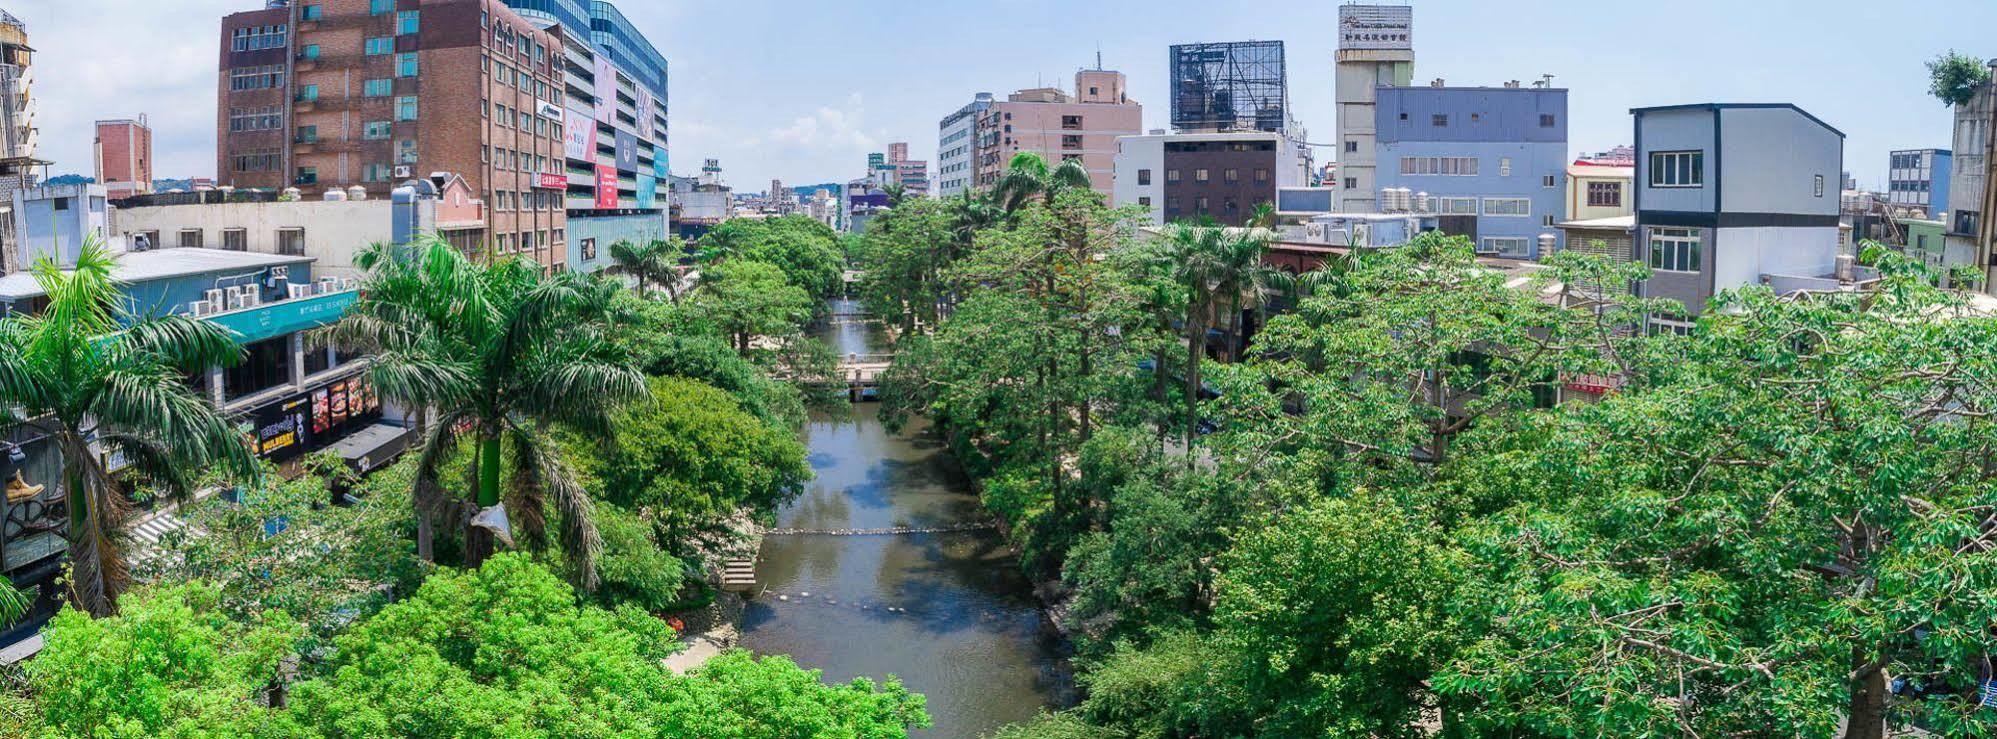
{"x": 1231, "y": 175}
{"x": 311, "y": 13}
{"x": 377, "y": 88}
{"x": 1171, "y": 175}
{"x": 291, "y": 242}
{"x": 236, "y": 239}
{"x": 308, "y": 93}
{"x": 1677, "y": 169}
{"x": 378, "y": 45}
{"x": 311, "y": 51}
{"x": 1674, "y": 250}
{"x": 1515, "y": 247}
{"x": 190, "y": 238}
{"x": 405, "y": 108}
{"x": 375, "y": 130}
{"x": 1605, "y": 194}
{"x": 1200, "y": 175}
{"x": 377, "y": 7}
{"x": 1143, "y": 177}
{"x": 308, "y": 134}
{"x": 1515, "y": 207}
{"x": 407, "y": 22}
{"x": 405, "y": 64}
{"x": 1458, "y": 206}
{"x": 266, "y": 364}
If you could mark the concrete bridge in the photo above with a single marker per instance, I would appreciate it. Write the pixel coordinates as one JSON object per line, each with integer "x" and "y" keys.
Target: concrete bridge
{"x": 861, "y": 373}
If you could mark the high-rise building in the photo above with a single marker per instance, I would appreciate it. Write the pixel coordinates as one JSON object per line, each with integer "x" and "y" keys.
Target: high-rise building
{"x": 955, "y": 145}
{"x": 554, "y": 114}
{"x": 19, "y": 134}
{"x": 911, "y": 174}
{"x": 1375, "y": 49}
{"x": 1058, "y": 126}
{"x": 898, "y": 152}
{"x": 1231, "y": 86}
{"x": 124, "y": 157}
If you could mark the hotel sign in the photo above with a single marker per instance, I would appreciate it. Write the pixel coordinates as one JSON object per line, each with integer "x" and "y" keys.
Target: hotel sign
{"x": 1376, "y": 27}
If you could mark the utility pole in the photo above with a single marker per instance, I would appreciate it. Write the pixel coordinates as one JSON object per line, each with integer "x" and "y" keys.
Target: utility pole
{"x": 1989, "y": 204}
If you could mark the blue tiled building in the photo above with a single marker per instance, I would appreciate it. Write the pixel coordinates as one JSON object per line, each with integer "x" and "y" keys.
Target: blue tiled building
{"x": 1491, "y": 160}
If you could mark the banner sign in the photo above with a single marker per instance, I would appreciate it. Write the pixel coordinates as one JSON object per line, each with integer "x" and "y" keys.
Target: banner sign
{"x": 627, "y": 151}
{"x": 550, "y": 181}
{"x": 644, "y": 112}
{"x": 606, "y": 186}
{"x": 606, "y": 89}
{"x": 548, "y": 110}
{"x": 578, "y": 135}
{"x": 312, "y": 420}
{"x": 648, "y": 189}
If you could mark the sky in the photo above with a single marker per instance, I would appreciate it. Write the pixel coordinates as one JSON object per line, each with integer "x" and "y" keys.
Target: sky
{"x": 803, "y": 91}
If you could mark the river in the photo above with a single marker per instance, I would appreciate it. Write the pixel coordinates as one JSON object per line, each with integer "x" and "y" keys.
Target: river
{"x": 948, "y": 613}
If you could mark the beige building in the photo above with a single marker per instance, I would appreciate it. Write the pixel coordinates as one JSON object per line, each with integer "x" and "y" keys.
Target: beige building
{"x": 1598, "y": 191}
{"x": 1059, "y": 126}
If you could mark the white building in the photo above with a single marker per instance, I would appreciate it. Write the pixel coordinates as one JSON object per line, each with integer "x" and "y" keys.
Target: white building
{"x": 956, "y": 144}
{"x": 1375, "y": 49}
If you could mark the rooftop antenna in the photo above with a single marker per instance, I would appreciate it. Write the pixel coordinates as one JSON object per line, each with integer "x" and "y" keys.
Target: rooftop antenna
{"x": 1545, "y": 81}
{"x": 1099, "y": 57}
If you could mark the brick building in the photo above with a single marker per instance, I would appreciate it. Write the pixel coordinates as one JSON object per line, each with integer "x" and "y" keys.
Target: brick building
{"x": 326, "y": 94}
{"x": 124, "y": 157}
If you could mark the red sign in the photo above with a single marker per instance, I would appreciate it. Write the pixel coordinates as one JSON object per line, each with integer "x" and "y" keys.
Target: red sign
{"x": 552, "y": 181}
{"x": 606, "y": 186}
{"x": 1593, "y": 384}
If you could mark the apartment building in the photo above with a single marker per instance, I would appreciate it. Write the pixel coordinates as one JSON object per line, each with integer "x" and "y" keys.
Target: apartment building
{"x": 1059, "y": 126}
{"x": 955, "y": 146}
{"x": 1919, "y": 178}
{"x": 1729, "y": 195}
{"x": 551, "y": 114}
{"x": 123, "y": 153}
{"x": 1492, "y": 160}
{"x": 1222, "y": 176}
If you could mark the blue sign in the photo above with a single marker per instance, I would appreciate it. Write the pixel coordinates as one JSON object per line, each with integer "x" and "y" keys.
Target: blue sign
{"x": 290, "y": 316}
{"x": 648, "y": 187}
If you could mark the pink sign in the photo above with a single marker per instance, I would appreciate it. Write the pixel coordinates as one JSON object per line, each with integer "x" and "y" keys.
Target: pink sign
{"x": 578, "y": 135}
{"x": 606, "y": 89}
{"x": 606, "y": 186}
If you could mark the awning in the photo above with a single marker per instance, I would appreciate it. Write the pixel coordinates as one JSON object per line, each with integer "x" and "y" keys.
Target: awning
{"x": 373, "y": 446}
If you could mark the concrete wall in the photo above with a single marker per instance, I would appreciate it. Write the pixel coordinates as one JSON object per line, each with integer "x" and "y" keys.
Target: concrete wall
{"x": 1146, "y": 153}
{"x": 334, "y": 231}
{"x": 1743, "y": 255}
{"x": 54, "y": 221}
{"x": 1692, "y": 289}
{"x": 590, "y": 238}
{"x": 1771, "y": 160}
{"x": 1578, "y": 180}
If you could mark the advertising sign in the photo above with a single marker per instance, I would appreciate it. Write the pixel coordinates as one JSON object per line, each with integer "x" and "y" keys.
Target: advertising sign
{"x": 1379, "y": 27}
{"x": 606, "y": 89}
{"x": 606, "y": 186}
{"x": 312, "y": 420}
{"x": 648, "y": 187}
{"x": 627, "y": 151}
{"x": 552, "y": 181}
{"x": 548, "y": 110}
{"x": 660, "y": 171}
{"x": 281, "y": 428}
{"x": 588, "y": 249}
{"x": 578, "y": 135}
{"x": 644, "y": 113}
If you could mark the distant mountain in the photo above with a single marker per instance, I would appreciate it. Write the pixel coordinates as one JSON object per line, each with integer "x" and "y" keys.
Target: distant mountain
{"x": 70, "y": 179}
{"x": 805, "y": 191}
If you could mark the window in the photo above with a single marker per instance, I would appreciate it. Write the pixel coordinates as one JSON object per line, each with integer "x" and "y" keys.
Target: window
{"x": 375, "y": 130}
{"x": 308, "y": 93}
{"x": 1171, "y": 175}
{"x": 1549, "y": 181}
{"x": 1510, "y": 207}
{"x": 311, "y": 13}
{"x": 1144, "y": 201}
{"x": 1071, "y": 122}
{"x": 1261, "y": 174}
{"x": 378, "y": 88}
{"x": 264, "y": 118}
{"x": 236, "y": 239}
{"x": 266, "y": 364}
{"x": 190, "y": 238}
{"x": 405, "y": 151}
{"x": 1515, "y": 247}
{"x": 1231, "y": 175}
{"x": 1677, "y": 169}
{"x": 1200, "y": 204}
{"x": 1200, "y": 175}
{"x": 1504, "y": 166}
{"x": 1438, "y": 119}
{"x": 1071, "y": 141}
{"x": 306, "y": 176}
{"x": 379, "y": 45}
{"x": 378, "y": 7}
{"x": 1457, "y": 206}
{"x": 1444, "y": 166}
{"x": 405, "y": 108}
{"x": 1143, "y": 177}
{"x": 1660, "y": 326}
{"x": 375, "y": 173}
{"x": 1351, "y": 183}
{"x": 407, "y": 22}
{"x": 1605, "y": 194}
{"x": 1546, "y": 120}
{"x": 1173, "y": 204}
{"x": 256, "y": 78}
{"x": 1547, "y": 220}
{"x": 308, "y": 134}
{"x": 291, "y": 242}
{"x": 1352, "y": 147}
{"x": 311, "y": 51}
{"x": 405, "y": 64}
{"x": 252, "y": 38}
{"x": 1820, "y": 186}
{"x": 1674, "y": 250}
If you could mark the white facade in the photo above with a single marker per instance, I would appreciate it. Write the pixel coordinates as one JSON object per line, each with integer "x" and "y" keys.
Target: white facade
{"x": 329, "y": 232}
{"x": 956, "y": 146}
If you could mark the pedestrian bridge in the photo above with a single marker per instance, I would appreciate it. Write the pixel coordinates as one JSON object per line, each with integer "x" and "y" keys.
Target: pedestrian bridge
{"x": 888, "y": 531}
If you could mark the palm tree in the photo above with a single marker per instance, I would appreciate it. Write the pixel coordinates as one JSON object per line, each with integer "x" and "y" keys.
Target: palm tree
{"x": 498, "y": 353}
{"x": 1190, "y": 255}
{"x": 90, "y": 375}
{"x": 649, "y": 262}
{"x": 1027, "y": 177}
{"x": 1244, "y": 280}
{"x": 897, "y": 194}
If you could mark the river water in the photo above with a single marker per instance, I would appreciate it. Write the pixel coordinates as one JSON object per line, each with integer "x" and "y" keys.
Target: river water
{"x": 948, "y": 613}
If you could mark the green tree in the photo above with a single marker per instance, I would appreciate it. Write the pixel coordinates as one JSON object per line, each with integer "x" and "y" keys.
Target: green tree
{"x": 501, "y": 353}
{"x": 1793, "y": 520}
{"x": 747, "y": 300}
{"x": 1028, "y": 179}
{"x": 908, "y": 255}
{"x": 1953, "y": 78}
{"x": 654, "y": 261}
{"x": 86, "y": 372}
{"x": 806, "y": 251}
{"x": 170, "y": 664}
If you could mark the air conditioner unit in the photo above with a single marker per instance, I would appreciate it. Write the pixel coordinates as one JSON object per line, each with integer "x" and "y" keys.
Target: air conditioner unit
{"x": 197, "y": 308}
{"x": 402, "y": 171}
{"x": 216, "y": 300}
{"x": 235, "y": 298}
{"x": 297, "y": 291}
{"x": 252, "y": 297}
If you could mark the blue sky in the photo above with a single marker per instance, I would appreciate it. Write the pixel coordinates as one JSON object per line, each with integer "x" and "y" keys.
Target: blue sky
{"x": 804, "y": 90}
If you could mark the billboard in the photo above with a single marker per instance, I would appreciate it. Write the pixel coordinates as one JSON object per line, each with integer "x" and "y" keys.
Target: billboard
{"x": 1388, "y": 27}
{"x": 606, "y": 89}
{"x": 578, "y": 135}
{"x": 644, "y": 113}
{"x": 627, "y": 151}
{"x": 606, "y": 186}
{"x": 552, "y": 181}
{"x": 648, "y": 188}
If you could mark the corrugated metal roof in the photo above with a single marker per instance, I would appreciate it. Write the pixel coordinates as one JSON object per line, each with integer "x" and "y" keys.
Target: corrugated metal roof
{"x": 160, "y": 264}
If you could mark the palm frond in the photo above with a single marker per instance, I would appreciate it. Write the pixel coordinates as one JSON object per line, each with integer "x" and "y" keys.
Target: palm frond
{"x": 575, "y": 512}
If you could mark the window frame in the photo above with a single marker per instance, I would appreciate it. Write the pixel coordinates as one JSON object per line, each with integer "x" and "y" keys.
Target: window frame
{"x": 1684, "y": 257}
{"x": 1694, "y": 171}
{"x": 1497, "y": 207}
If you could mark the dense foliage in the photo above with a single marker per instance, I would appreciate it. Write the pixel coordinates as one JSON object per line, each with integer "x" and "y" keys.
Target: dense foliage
{"x": 805, "y": 251}
{"x": 1954, "y": 77}
{"x": 1379, "y": 522}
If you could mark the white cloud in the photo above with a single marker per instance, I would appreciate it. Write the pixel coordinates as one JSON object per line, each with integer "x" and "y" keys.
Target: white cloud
{"x": 829, "y": 128}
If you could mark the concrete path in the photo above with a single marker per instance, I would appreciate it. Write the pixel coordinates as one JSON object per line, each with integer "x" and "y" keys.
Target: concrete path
{"x": 702, "y": 647}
